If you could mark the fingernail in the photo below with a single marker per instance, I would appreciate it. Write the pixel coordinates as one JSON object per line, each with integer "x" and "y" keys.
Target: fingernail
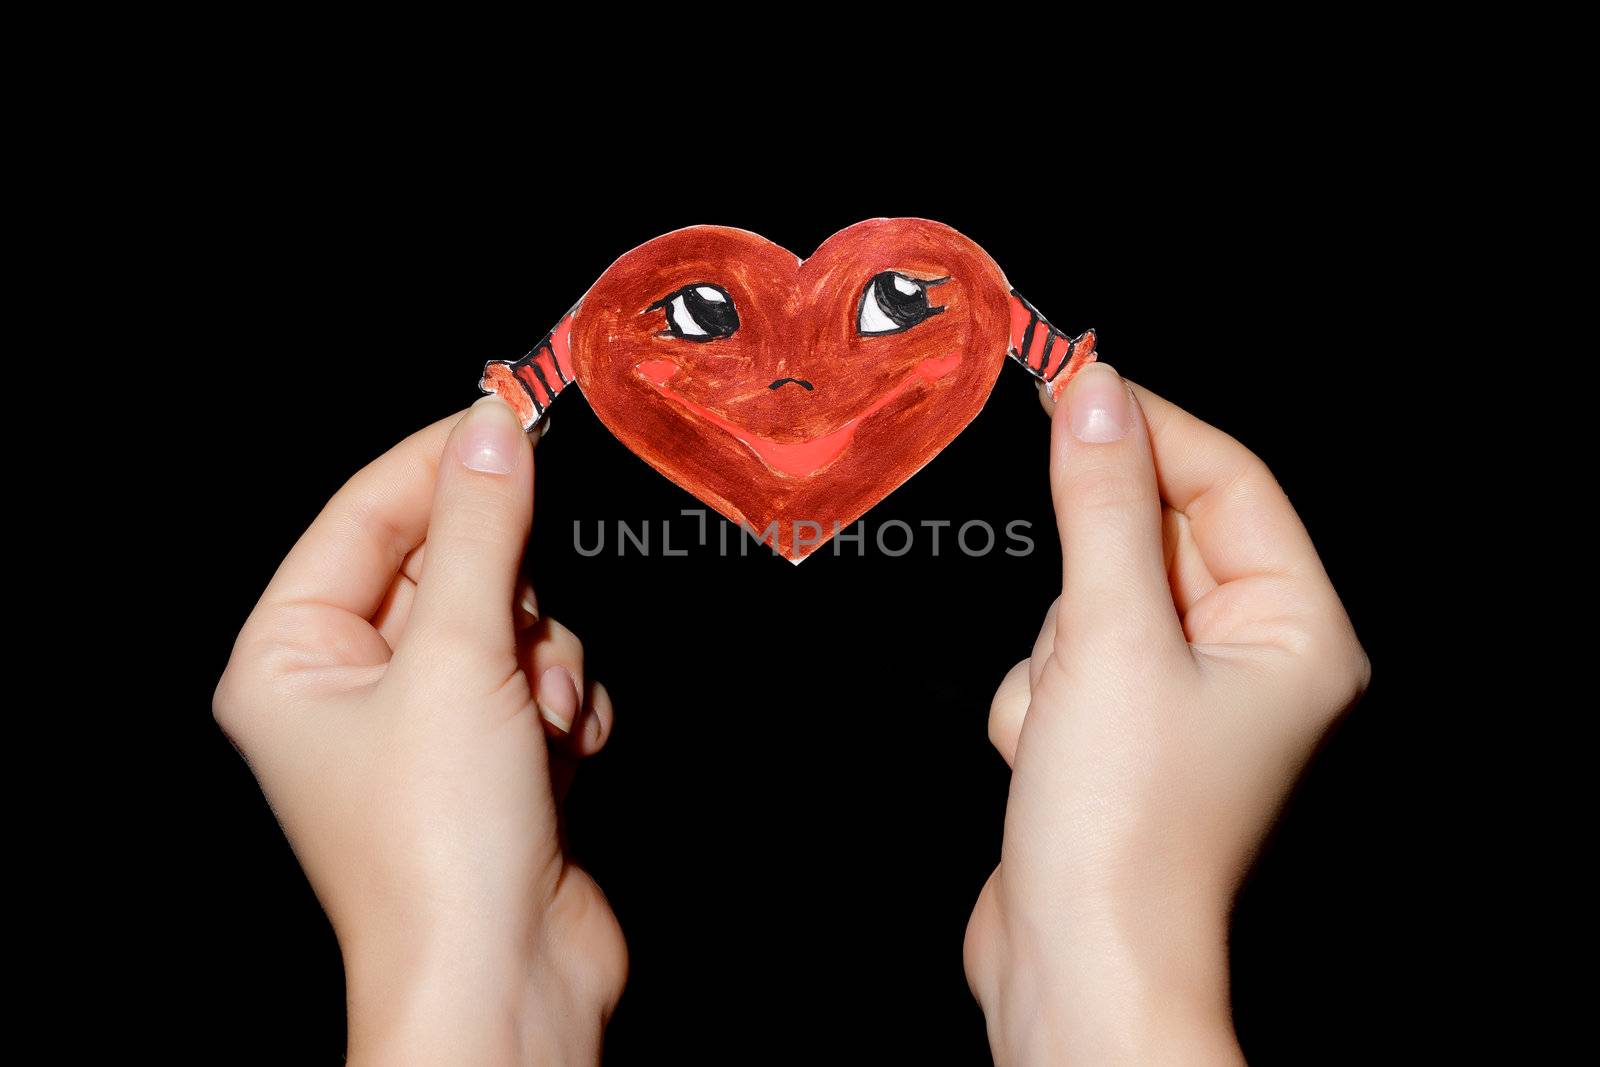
{"x": 529, "y": 608}
{"x": 1097, "y": 405}
{"x": 491, "y": 437}
{"x": 558, "y": 698}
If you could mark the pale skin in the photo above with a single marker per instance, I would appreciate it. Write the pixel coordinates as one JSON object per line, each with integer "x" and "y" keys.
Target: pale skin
{"x": 413, "y": 724}
{"x": 403, "y": 711}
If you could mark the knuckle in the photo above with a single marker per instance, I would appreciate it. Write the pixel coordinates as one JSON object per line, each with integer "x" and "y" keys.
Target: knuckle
{"x": 489, "y": 512}
{"x": 1254, "y": 483}
{"x": 1009, "y": 704}
{"x": 1334, "y": 666}
{"x": 1253, "y": 470}
{"x": 238, "y": 691}
{"x": 1357, "y": 671}
{"x": 225, "y": 702}
{"x": 979, "y": 942}
{"x": 473, "y": 529}
{"x": 1102, "y": 622}
{"x": 237, "y": 703}
{"x": 1104, "y": 489}
{"x": 455, "y": 649}
{"x": 974, "y": 965}
{"x": 996, "y": 726}
{"x": 1240, "y": 464}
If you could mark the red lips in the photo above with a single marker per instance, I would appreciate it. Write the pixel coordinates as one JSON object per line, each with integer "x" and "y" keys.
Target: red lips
{"x": 900, "y": 326}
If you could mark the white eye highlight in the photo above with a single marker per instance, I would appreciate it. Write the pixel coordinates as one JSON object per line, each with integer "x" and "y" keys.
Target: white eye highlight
{"x": 716, "y": 296}
{"x": 685, "y": 321}
{"x": 873, "y": 318}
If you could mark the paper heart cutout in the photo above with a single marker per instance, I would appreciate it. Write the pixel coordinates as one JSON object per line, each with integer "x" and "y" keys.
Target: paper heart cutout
{"x": 792, "y": 395}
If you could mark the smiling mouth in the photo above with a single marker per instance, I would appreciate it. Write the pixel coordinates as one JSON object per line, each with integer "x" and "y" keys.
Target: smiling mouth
{"x": 797, "y": 459}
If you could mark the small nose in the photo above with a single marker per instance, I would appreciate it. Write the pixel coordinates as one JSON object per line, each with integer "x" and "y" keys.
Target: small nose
{"x": 801, "y": 382}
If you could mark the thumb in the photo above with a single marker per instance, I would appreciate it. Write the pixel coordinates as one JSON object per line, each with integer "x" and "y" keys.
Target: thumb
{"x": 482, "y": 509}
{"x": 1108, "y": 508}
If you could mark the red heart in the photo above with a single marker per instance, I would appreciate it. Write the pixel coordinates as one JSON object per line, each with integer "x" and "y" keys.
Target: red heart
{"x": 730, "y": 418}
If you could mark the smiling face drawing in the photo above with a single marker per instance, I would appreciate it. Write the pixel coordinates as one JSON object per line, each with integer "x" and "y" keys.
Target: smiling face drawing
{"x": 790, "y": 391}
{"x": 792, "y": 395}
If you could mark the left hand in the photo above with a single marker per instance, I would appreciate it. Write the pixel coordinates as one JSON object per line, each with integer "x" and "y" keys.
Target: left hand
{"x": 1196, "y": 655}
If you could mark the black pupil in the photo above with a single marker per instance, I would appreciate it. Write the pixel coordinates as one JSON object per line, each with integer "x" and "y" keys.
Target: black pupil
{"x": 904, "y": 309}
{"x": 716, "y": 317}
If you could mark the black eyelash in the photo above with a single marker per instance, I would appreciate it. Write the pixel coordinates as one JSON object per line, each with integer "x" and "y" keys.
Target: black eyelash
{"x": 718, "y": 318}
{"x": 890, "y": 302}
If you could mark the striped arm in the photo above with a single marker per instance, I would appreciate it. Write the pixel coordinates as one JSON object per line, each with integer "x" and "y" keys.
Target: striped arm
{"x": 1050, "y": 356}
{"x": 532, "y": 383}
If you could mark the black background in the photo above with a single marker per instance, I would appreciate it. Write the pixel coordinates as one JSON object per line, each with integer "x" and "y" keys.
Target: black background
{"x": 800, "y": 803}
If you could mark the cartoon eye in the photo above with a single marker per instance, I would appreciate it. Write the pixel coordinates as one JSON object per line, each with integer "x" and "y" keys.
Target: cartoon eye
{"x": 892, "y": 303}
{"x": 698, "y": 312}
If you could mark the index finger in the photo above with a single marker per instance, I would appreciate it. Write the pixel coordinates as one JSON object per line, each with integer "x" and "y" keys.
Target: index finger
{"x": 351, "y": 553}
{"x": 1240, "y": 519}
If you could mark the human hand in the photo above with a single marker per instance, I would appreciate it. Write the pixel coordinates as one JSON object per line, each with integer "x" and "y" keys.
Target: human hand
{"x": 391, "y": 692}
{"x": 1195, "y": 657}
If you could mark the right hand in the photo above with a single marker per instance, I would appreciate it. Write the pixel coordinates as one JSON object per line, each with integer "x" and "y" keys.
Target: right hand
{"x": 393, "y": 702}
